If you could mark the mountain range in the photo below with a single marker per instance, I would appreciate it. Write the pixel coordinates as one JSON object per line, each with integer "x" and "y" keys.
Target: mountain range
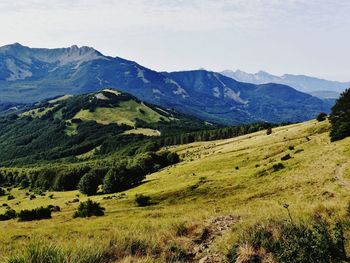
{"x": 324, "y": 89}
{"x": 28, "y": 75}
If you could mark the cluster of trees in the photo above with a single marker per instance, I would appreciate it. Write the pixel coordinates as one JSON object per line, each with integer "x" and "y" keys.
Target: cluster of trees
{"x": 13, "y": 176}
{"x": 126, "y": 174}
{"x": 34, "y": 214}
{"x": 115, "y": 176}
{"x": 214, "y": 134}
{"x": 29, "y": 214}
{"x": 8, "y": 215}
{"x": 340, "y": 117}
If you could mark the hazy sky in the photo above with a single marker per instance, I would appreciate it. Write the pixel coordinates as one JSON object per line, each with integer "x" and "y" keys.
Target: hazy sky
{"x": 280, "y": 36}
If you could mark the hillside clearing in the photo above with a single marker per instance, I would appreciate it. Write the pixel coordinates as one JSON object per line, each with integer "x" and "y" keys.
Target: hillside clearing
{"x": 144, "y": 131}
{"x": 126, "y": 113}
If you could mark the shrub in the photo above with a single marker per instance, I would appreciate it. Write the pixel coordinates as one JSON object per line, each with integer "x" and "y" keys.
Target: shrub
{"x": 269, "y": 131}
{"x": 143, "y": 200}
{"x": 34, "y": 214}
{"x": 177, "y": 253}
{"x": 88, "y": 184}
{"x": 54, "y": 208}
{"x": 89, "y": 208}
{"x": 291, "y": 147}
{"x": 340, "y": 117}
{"x": 173, "y": 158}
{"x": 181, "y": 229}
{"x": 32, "y": 196}
{"x": 9, "y": 214}
{"x": 321, "y": 117}
{"x": 2, "y": 191}
{"x": 286, "y": 157}
{"x": 317, "y": 241}
{"x": 10, "y": 197}
{"x": 278, "y": 166}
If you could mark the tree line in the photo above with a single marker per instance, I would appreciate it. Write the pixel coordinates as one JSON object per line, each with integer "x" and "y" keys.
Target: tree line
{"x": 115, "y": 176}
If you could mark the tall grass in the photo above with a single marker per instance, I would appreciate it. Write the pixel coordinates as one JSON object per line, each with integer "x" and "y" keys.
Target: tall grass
{"x": 39, "y": 253}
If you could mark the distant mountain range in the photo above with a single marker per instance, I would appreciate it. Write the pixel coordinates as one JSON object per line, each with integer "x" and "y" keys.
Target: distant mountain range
{"x": 28, "y": 75}
{"x": 315, "y": 86}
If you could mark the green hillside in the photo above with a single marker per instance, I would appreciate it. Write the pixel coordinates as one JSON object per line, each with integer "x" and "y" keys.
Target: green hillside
{"x": 67, "y": 127}
{"x": 200, "y": 206}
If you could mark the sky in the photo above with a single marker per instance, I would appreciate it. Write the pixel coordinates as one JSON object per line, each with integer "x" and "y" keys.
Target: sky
{"x": 310, "y": 37}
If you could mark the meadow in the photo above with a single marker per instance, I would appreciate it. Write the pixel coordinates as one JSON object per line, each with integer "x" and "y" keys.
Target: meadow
{"x": 200, "y": 206}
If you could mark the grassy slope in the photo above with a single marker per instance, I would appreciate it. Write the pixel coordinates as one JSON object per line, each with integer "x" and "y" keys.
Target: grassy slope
{"x": 252, "y": 193}
{"x": 126, "y": 113}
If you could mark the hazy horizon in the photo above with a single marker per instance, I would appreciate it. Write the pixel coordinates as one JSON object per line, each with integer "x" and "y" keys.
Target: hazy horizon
{"x": 293, "y": 36}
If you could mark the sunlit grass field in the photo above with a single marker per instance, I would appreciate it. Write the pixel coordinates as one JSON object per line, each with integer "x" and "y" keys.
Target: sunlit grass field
{"x": 227, "y": 177}
{"x": 126, "y": 113}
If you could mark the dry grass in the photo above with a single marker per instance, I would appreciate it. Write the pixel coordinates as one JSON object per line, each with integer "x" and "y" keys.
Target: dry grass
{"x": 227, "y": 177}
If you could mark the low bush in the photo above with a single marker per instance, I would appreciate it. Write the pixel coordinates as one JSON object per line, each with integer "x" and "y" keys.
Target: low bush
{"x": 286, "y": 157}
{"x": 9, "y": 214}
{"x": 10, "y": 197}
{"x": 316, "y": 241}
{"x": 88, "y": 209}
{"x": 277, "y": 167}
{"x": 2, "y": 191}
{"x": 321, "y": 117}
{"x": 177, "y": 253}
{"x": 143, "y": 200}
{"x": 269, "y": 131}
{"x": 181, "y": 229}
{"x": 34, "y": 214}
{"x": 54, "y": 208}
